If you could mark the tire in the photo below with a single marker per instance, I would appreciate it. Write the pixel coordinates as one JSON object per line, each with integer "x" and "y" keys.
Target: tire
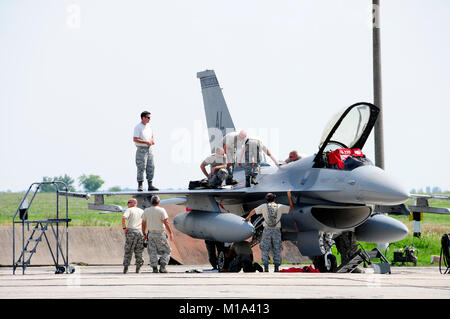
{"x": 221, "y": 260}
{"x": 319, "y": 263}
{"x": 333, "y": 263}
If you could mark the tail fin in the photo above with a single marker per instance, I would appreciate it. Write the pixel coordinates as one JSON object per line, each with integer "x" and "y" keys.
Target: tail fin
{"x": 218, "y": 118}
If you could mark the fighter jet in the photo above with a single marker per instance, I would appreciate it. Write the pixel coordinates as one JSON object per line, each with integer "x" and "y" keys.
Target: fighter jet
{"x": 334, "y": 190}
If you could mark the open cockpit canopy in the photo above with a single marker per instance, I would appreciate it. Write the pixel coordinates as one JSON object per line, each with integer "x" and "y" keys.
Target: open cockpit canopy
{"x": 348, "y": 129}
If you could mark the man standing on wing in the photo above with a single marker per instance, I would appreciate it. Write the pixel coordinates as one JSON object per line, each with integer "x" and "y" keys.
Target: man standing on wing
{"x": 232, "y": 144}
{"x": 143, "y": 138}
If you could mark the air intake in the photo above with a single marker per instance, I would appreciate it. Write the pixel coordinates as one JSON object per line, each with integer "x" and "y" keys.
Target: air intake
{"x": 341, "y": 217}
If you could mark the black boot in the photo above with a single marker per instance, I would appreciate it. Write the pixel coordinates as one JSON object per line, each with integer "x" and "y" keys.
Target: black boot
{"x": 277, "y": 268}
{"x": 266, "y": 268}
{"x": 254, "y": 181}
{"x": 247, "y": 181}
{"x": 162, "y": 269}
{"x": 151, "y": 187}
{"x": 140, "y": 186}
{"x": 231, "y": 181}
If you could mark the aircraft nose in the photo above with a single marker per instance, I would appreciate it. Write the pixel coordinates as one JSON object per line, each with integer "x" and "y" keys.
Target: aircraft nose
{"x": 375, "y": 186}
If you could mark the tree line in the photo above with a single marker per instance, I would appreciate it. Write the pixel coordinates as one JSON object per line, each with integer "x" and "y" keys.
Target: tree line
{"x": 89, "y": 183}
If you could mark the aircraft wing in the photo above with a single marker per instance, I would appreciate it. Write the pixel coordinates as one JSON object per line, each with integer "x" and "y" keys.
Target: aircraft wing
{"x": 168, "y": 192}
{"x": 421, "y": 204}
{"x": 430, "y": 196}
{"x": 108, "y": 209}
{"x": 229, "y": 195}
{"x": 180, "y": 197}
{"x": 223, "y": 192}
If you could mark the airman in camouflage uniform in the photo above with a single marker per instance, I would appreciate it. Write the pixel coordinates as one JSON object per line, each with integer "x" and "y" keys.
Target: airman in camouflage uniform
{"x": 133, "y": 235}
{"x": 155, "y": 223}
{"x": 271, "y": 237}
{"x": 143, "y": 138}
{"x": 218, "y": 163}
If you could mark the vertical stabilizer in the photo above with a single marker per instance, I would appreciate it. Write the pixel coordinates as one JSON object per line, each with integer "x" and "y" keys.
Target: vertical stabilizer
{"x": 218, "y": 118}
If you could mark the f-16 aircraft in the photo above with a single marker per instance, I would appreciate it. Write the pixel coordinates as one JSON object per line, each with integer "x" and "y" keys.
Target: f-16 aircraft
{"x": 334, "y": 190}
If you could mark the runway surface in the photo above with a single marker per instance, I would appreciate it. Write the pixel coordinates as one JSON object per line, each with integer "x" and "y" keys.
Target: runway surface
{"x": 100, "y": 282}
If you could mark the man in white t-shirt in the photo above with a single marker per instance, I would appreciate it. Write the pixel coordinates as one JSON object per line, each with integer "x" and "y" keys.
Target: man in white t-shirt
{"x": 232, "y": 144}
{"x": 132, "y": 226}
{"x": 271, "y": 237}
{"x": 218, "y": 163}
{"x": 143, "y": 139}
{"x": 155, "y": 224}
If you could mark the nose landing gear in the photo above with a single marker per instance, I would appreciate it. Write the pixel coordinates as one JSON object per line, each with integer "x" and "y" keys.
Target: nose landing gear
{"x": 325, "y": 263}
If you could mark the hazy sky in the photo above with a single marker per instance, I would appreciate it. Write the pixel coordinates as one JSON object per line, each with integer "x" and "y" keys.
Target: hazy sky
{"x": 75, "y": 75}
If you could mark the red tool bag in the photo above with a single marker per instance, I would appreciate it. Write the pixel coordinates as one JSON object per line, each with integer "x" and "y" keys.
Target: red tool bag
{"x": 304, "y": 269}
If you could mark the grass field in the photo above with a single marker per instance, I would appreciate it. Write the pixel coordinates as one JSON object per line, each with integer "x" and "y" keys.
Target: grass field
{"x": 44, "y": 206}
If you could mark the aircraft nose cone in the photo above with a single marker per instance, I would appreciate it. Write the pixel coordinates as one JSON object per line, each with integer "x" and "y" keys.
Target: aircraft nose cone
{"x": 375, "y": 186}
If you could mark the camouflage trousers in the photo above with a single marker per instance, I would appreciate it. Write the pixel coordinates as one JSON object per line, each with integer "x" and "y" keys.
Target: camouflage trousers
{"x": 252, "y": 164}
{"x": 271, "y": 240}
{"x": 144, "y": 163}
{"x": 133, "y": 243}
{"x": 252, "y": 169}
{"x": 158, "y": 244}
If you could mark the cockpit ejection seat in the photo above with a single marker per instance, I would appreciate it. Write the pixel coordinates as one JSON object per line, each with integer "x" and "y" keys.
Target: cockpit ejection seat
{"x": 337, "y": 157}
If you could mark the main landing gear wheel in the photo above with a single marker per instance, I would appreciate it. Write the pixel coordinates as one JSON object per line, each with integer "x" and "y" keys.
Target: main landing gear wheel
{"x": 319, "y": 263}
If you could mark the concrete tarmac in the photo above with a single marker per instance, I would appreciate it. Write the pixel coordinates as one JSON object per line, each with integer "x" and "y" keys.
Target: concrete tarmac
{"x": 99, "y": 282}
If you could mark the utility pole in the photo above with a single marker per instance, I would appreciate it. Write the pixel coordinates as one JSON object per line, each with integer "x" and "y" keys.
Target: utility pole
{"x": 379, "y": 139}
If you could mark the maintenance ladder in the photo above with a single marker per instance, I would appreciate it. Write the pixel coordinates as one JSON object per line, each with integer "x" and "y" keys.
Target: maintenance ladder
{"x": 40, "y": 227}
{"x": 363, "y": 256}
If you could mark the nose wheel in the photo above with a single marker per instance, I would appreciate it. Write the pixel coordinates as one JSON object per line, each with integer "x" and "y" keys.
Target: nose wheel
{"x": 325, "y": 263}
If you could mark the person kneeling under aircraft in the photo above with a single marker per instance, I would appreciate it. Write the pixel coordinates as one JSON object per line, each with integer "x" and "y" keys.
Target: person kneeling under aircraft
{"x": 241, "y": 257}
{"x": 218, "y": 163}
{"x": 271, "y": 237}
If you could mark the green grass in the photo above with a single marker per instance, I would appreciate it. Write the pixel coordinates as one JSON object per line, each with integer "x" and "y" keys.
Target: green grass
{"x": 427, "y": 245}
{"x": 44, "y": 206}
